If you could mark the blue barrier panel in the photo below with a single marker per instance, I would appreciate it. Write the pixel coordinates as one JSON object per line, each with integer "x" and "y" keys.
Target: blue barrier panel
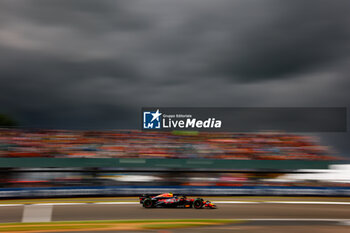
{"x": 186, "y": 190}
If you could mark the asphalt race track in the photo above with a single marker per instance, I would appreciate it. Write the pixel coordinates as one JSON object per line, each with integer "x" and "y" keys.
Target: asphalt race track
{"x": 224, "y": 211}
{"x": 93, "y": 212}
{"x": 262, "y": 215}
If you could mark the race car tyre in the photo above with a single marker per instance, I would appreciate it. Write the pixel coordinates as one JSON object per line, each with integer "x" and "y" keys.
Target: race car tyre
{"x": 147, "y": 203}
{"x": 198, "y": 203}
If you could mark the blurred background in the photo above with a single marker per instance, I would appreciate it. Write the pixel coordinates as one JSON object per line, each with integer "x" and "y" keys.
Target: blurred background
{"x": 75, "y": 74}
{"x": 129, "y": 161}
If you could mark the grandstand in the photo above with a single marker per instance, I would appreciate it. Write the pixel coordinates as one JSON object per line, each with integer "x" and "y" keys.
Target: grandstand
{"x": 139, "y": 144}
{"x": 111, "y": 162}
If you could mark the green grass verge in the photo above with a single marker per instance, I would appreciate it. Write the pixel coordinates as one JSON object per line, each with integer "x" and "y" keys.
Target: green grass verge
{"x": 174, "y": 225}
{"x": 48, "y": 227}
{"x": 123, "y": 221}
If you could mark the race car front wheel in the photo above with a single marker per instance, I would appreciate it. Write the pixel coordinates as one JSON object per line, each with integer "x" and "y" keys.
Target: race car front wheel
{"x": 147, "y": 203}
{"x": 198, "y": 203}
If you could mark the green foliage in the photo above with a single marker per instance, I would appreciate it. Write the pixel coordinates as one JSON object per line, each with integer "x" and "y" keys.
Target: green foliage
{"x": 6, "y": 121}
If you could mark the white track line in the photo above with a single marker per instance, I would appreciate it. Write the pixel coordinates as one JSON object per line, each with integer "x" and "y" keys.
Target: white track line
{"x": 45, "y": 204}
{"x": 117, "y": 203}
{"x": 237, "y": 202}
{"x": 346, "y": 223}
{"x": 6, "y": 205}
{"x": 284, "y": 202}
{"x": 294, "y": 219}
{"x": 217, "y": 202}
{"x": 309, "y": 202}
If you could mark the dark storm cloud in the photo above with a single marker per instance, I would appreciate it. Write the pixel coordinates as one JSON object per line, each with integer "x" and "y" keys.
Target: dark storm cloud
{"x": 293, "y": 39}
{"x": 94, "y": 64}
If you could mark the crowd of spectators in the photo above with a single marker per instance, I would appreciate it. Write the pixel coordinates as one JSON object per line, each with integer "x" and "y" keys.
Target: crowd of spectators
{"x": 139, "y": 144}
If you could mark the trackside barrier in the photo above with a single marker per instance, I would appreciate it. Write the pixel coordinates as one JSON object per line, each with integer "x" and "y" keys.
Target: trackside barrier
{"x": 187, "y": 190}
{"x": 138, "y": 163}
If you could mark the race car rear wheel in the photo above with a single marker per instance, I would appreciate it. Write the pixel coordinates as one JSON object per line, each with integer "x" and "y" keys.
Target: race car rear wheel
{"x": 147, "y": 203}
{"x": 198, "y": 203}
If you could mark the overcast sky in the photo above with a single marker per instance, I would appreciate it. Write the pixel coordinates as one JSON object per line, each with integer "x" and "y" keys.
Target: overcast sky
{"x": 94, "y": 64}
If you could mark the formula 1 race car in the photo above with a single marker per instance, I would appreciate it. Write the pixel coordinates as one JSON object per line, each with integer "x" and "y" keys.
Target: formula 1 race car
{"x": 168, "y": 200}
